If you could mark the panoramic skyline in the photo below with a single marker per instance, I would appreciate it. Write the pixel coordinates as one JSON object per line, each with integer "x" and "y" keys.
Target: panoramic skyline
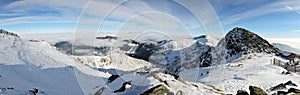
{"x": 271, "y": 19}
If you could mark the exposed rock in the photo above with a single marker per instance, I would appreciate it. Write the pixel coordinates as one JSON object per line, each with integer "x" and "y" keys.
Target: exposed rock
{"x": 293, "y": 90}
{"x": 166, "y": 83}
{"x": 9, "y": 33}
{"x": 256, "y": 91}
{"x": 180, "y": 92}
{"x": 107, "y": 37}
{"x": 286, "y": 72}
{"x": 196, "y": 55}
{"x": 112, "y": 78}
{"x": 282, "y": 93}
{"x": 242, "y": 92}
{"x": 158, "y": 90}
{"x": 290, "y": 83}
{"x": 34, "y": 91}
{"x": 278, "y": 87}
{"x": 123, "y": 87}
{"x": 145, "y": 50}
{"x": 295, "y": 94}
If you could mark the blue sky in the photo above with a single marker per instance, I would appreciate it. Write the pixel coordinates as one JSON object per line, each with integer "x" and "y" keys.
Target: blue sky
{"x": 268, "y": 18}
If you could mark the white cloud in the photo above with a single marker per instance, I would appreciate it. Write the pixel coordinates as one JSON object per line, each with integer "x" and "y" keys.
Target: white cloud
{"x": 54, "y": 11}
{"x": 280, "y": 6}
{"x": 289, "y": 7}
{"x": 68, "y": 11}
{"x": 296, "y": 31}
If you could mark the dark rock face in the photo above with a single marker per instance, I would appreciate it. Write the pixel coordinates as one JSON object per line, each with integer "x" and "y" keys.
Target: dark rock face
{"x": 242, "y": 92}
{"x": 64, "y": 46}
{"x": 282, "y": 86}
{"x": 290, "y": 83}
{"x": 145, "y": 50}
{"x": 158, "y": 90}
{"x": 199, "y": 37}
{"x": 293, "y": 90}
{"x": 256, "y": 91}
{"x": 112, "y": 78}
{"x": 8, "y": 33}
{"x": 242, "y": 41}
{"x": 197, "y": 55}
{"x": 282, "y": 93}
{"x": 108, "y": 37}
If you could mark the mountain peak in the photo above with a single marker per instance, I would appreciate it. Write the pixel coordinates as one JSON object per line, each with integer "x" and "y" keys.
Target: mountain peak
{"x": 239, "y": 30}
{"x": 241, "y": 41}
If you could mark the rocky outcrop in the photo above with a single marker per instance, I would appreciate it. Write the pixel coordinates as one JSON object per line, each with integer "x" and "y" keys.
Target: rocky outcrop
{"x": 179, "y": 93}
{"x": 253, "y": 91}
{"x": 108, "y": 38}
{"x": 158, "y": 90}
{"x": 9, "y": 33}
{"x": 242, "y": 92}
{"x": 112, "y": 78}
{"x": 281, "y": 89}
{"x": 282, "y": 86}
{"x": 256, "y": 91}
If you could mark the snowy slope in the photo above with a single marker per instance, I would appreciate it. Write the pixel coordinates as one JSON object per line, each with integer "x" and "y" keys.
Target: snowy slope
{"x": 249, "y": 64}
{"x": 253, "y": 69}
{"x": 118, "y": 61}
{"x": 27, "y": 65}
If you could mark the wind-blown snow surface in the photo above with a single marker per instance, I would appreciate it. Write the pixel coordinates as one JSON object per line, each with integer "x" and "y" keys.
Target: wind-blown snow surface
{"x": 27, "y": 65}
{"x": 254, "y": 69}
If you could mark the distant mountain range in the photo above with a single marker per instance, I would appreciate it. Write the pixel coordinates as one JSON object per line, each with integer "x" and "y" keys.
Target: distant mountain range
{"x": 201, "y": 53}
{"x": 132, "y": 67}
{"x": 287, "y": 48}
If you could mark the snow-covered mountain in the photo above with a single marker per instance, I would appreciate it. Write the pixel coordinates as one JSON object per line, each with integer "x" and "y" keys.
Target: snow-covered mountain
{"x": 240, "y": 41}
{"x": 287, "y": 48}
{"x": 36, "y": 67}
{"x": 191, "y": 66}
